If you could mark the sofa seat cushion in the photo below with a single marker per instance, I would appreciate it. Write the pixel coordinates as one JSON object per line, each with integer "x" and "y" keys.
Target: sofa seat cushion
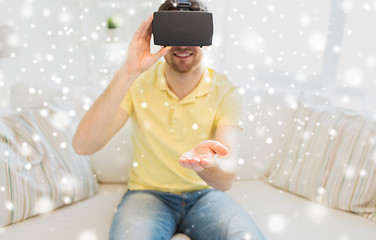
{"x": 281, "y": 215}
{"x": 88, "y": 219}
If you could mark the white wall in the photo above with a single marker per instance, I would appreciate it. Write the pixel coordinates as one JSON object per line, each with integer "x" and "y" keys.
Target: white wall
{"x": 328, "y": 47}
{"x": 65, "y": 41}
{"x": 322, "y": 46}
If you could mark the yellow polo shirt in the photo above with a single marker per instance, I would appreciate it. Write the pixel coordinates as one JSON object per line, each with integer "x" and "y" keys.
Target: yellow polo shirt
{"x": 164, "y": 127}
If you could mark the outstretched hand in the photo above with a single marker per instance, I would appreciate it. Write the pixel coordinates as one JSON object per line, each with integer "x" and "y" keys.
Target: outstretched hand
{"x": 203, "y": 155}
{"x": 139, "y": 58}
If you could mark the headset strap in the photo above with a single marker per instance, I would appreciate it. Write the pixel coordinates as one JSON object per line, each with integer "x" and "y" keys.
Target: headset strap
{"x": 184, "y": 4}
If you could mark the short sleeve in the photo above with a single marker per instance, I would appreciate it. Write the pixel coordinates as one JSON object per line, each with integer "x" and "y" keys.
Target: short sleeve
{"x": 232, "y": 109}
{"x": 127, "y": 104}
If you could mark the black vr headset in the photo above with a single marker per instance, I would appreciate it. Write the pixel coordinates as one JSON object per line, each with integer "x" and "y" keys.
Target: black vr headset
{"x": 183, "y": 27}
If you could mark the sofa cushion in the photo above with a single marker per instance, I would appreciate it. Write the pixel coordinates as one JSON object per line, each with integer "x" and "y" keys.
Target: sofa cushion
{"x": 281, "y": 215}
{"x": 329, "y": 156}
{"x": 113, "y": 162}
{"x": 89, "y": 219}
{"x": 278, "y": 214}
{"x": 39, "y": 170}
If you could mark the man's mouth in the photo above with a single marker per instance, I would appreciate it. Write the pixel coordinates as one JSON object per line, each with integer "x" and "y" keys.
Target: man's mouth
{"x": 182, "y": 55}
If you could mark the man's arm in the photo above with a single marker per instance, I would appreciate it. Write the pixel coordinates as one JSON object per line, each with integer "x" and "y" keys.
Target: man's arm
{"x": 215, "y": 161}
{"x": 105, "y": 117}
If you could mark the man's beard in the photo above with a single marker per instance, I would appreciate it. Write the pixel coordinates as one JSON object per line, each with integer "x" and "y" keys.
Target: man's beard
{"x": 181, "y": 65}
{"x": 181, "y": 68}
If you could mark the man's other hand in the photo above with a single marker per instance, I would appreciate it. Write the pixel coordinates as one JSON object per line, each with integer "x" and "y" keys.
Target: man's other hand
{"x": 203, "y": 155}
{"x": 139, "y": 58}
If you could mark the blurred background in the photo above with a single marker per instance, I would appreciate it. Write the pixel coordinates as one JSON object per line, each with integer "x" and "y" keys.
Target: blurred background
{"x": 326, "y": 47}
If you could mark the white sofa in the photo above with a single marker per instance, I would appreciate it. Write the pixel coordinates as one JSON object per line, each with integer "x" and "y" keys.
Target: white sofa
{"x": 278, "y": 213}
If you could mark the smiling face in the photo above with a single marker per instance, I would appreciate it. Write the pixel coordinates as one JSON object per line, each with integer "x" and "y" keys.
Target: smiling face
{"x": 184, "y": 59}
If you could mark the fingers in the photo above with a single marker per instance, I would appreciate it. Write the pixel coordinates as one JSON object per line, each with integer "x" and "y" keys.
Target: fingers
{"x": 215, "y": 147}
{"x": 148, "y": 27}
{"x": 150, "y": 23}
{"x": 219, "y": 149}
{"x": 195, "y": 163}
{"x": 142, "y": 30}
{"x": 205, "y": 163}
{"x": 163, "y": 51}
{"x": 191, "y": 163}
{"x": 203, "y": 155}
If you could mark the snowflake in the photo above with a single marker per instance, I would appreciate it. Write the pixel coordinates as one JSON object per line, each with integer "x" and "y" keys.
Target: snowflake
{"x": 9, "y": 206}
{"x": 67, "y": 200}
{"x": 347, "y": 6}
{"x": 332, "y": 132}
{"x": 271, "y": 8}
{"x": 350, "y": 172}
{"x": 28, "y": 166}
{"x": 144, "y": 105}
{"x": 277, "y": 223}
{"x": 305, "y": 20}
{"x": 44, "y": 205}
{"x": 65, "y": 17}
{"x": 27, "y": 12}
{"x": 72, "y": 113}
{"x": 363, "y": 173}
{"x": 251, "y": 67}
{"x": 353, "y": 77}
{"x": 252, "y": 42}
{"x": 64, "y": 180}
{"x": 321, "y": 190}
{"x": 63, "y": 145}
{"x": 46, "y": 12}
{"x": 31, "y": 91}
{"x": 251, "y": 117}
{"x": 317, "y": 212}
{"x": 132, "y": 12}
{"x": 317, "y": 41}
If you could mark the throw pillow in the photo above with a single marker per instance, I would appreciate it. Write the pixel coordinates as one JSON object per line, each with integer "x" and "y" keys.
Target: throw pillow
{"x": 329, "y": 156}
{"x": 39, "y": 170}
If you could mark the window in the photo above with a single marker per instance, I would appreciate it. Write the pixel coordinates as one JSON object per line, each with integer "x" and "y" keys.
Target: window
{"x": 319, "y": 46}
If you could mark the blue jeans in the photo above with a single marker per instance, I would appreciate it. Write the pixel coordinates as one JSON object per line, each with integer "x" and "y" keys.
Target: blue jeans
{"x": 205, "y": 214}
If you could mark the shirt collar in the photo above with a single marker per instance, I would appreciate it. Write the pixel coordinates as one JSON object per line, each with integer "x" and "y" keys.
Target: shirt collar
{"x": 201, "y": 89}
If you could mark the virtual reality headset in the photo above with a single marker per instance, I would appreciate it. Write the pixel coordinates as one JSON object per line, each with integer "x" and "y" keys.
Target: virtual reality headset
{"x": 183, "y": 28}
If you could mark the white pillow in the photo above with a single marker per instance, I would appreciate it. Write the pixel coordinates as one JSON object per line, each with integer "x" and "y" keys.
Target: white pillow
{"x": 329, "y": 156}
{"x": 39, "y": 170}
{"x": 112, "y": 163}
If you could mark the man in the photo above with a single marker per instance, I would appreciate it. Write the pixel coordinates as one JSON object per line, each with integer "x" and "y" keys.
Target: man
{"x": 185, "y": 125}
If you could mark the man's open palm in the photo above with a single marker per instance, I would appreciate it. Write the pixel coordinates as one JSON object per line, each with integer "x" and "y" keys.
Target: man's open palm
{"x": 203, "y": 155}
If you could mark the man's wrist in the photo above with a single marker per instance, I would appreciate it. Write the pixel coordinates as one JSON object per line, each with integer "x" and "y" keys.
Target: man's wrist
{"x": 125, "y": 71}
{"x": 128, "y": 76}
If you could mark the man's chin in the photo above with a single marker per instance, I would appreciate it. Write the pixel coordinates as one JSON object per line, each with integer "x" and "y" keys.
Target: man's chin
{"x": 181, "y": 68}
